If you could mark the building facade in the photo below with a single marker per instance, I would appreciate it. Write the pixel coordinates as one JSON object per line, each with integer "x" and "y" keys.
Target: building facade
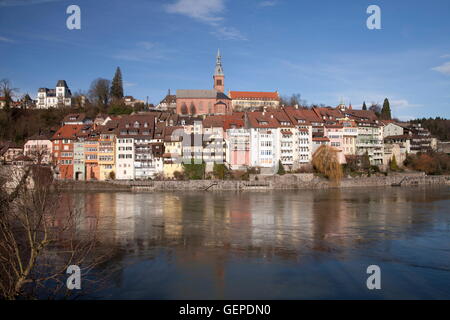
{"x": 52, "y": 98}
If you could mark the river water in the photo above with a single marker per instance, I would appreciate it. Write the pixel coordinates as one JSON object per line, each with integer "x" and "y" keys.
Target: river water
{"x": 274, "y": 245}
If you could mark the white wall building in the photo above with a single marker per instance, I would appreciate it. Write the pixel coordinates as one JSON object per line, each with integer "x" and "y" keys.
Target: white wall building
{"x": 39, "y": 149}
{"x": 124, "y": 158}
{"x": 52, "y": 98}
{"x": 392, "y": 129}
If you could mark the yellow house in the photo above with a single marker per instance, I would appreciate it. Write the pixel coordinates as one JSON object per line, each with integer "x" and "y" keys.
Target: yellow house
{"x": 172, "y": 157}
{"x": 106, "y": 151}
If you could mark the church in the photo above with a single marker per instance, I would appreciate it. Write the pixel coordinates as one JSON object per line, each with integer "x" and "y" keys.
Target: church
{"x": 204, "y": 102}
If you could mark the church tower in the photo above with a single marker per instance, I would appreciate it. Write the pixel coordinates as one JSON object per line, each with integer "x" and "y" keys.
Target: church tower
{"x": 219, "y": 77}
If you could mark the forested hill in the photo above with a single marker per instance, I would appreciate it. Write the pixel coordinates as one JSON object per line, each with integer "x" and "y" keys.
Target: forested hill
{"x": 438, "y": 127}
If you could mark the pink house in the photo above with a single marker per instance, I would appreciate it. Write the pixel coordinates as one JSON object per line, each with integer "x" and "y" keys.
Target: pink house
{"x": 238, "y": 141}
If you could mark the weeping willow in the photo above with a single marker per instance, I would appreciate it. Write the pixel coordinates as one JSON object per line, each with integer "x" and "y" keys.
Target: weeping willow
{"x": 325, "y": 161}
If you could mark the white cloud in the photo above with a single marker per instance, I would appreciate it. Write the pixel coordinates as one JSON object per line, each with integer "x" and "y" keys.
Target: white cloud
{"x": 403, "y": 103}
{"x": 444, "y": 68}
{"x": 143, "y": 51}
{"x": 209, "y": 12}
{"x": 127, "y": 84}
{"x": 445, "y": 56}
{"x": 228, "y": 33}
{"x": 204, "y": 10}
{"x": 268, "y": 3}
{"x": 5, "y": 39}
{"x": 11, "y": 3}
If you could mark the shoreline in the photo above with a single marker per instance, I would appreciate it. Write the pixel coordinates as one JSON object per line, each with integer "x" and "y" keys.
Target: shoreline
{"x": 261, "y": 183}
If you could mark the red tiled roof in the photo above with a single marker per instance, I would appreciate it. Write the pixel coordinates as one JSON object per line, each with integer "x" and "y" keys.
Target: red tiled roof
{"x": 320, "y": 139}
{"x": 68, "y": 131}
{"x": 229, "y": 123}
{"x": 262, "y": 120}
{"x": 214, "y": 121}
{"x": 328, "y": 112}
{"x": 254, "y": 95}
{"x": 366, "y": 114}
{"x": 302, "y": 114}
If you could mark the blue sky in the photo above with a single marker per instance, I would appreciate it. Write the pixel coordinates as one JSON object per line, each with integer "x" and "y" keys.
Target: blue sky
{"x": 320, "y": 49}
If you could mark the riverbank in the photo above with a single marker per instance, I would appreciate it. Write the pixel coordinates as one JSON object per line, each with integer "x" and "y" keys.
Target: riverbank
{"x": 261, "y": 183}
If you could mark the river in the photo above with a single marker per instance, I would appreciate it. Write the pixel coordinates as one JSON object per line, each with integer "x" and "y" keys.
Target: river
{"x": 274, "y": 245}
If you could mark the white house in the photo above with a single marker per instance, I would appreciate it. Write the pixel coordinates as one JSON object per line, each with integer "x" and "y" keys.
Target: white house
{"x": 51, "y": 98}
{"x": 39, "y": 149}
{"x": 124, "y": 158}
{"x": 392, "y": 129}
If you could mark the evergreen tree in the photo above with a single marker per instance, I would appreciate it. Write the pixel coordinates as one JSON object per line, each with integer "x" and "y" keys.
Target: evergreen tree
{"x": 117, "y": 85}
{"x": 364, "y": 107}
{"x": 393, "y": 164}
{"x": 386, "y": 110}
{"x": 281, "y": 170}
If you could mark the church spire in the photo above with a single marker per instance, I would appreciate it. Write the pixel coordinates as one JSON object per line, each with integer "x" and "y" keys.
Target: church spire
{"x": 219, "y": 77}
{"x": 219, "y": 69}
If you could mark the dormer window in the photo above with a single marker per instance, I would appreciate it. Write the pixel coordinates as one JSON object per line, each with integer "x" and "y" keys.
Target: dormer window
{"x": 136, "y": 124}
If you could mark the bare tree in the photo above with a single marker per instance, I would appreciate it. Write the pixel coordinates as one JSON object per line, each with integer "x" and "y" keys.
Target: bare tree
{"x": 100, "y": 92}
{"x": 40, "y": 237}
{"x": 375, "y": 107}
{"x": 8, "y": 92}
{"x": 293, "y": 100}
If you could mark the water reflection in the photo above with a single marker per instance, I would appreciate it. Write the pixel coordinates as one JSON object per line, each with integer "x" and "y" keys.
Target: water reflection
{"x": 267, "y": 245}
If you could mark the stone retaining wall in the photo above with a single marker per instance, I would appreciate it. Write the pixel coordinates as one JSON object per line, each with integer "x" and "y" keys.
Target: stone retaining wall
{"x": 276, "y": 182}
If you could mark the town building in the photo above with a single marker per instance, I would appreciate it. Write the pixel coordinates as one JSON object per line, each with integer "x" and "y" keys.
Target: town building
{"x": 2, "y": 102}
{"x": 303, "y": 123}
{"x": 61, "y": 96}
{"x": 76, "y": 118}
{"x": 172, "y": 157}
{"x": 169, "y": 103}
{"x": 91, "y": 158}
{"x": 317, "y": 142}
{"x": 421, "y": 139}
{"x": 63, "y": 143}
{"x": 130, "y": 101}
{"x": 249, "y": 100}
{"x": 238, "y": 150}
{"x": 9, "y": 152}
{"x": 79, "y": 167}
{"x": 370, "y": 141}
{"x": 138, "y": 156}
{"x": 39, "y": 149}
{"x": 264, "y": 140}
{"x": 398, "y": 146}
{"x": 203, "y": 102}
{"x": 392, "y": 129}
{"x": 106, "y": 150}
